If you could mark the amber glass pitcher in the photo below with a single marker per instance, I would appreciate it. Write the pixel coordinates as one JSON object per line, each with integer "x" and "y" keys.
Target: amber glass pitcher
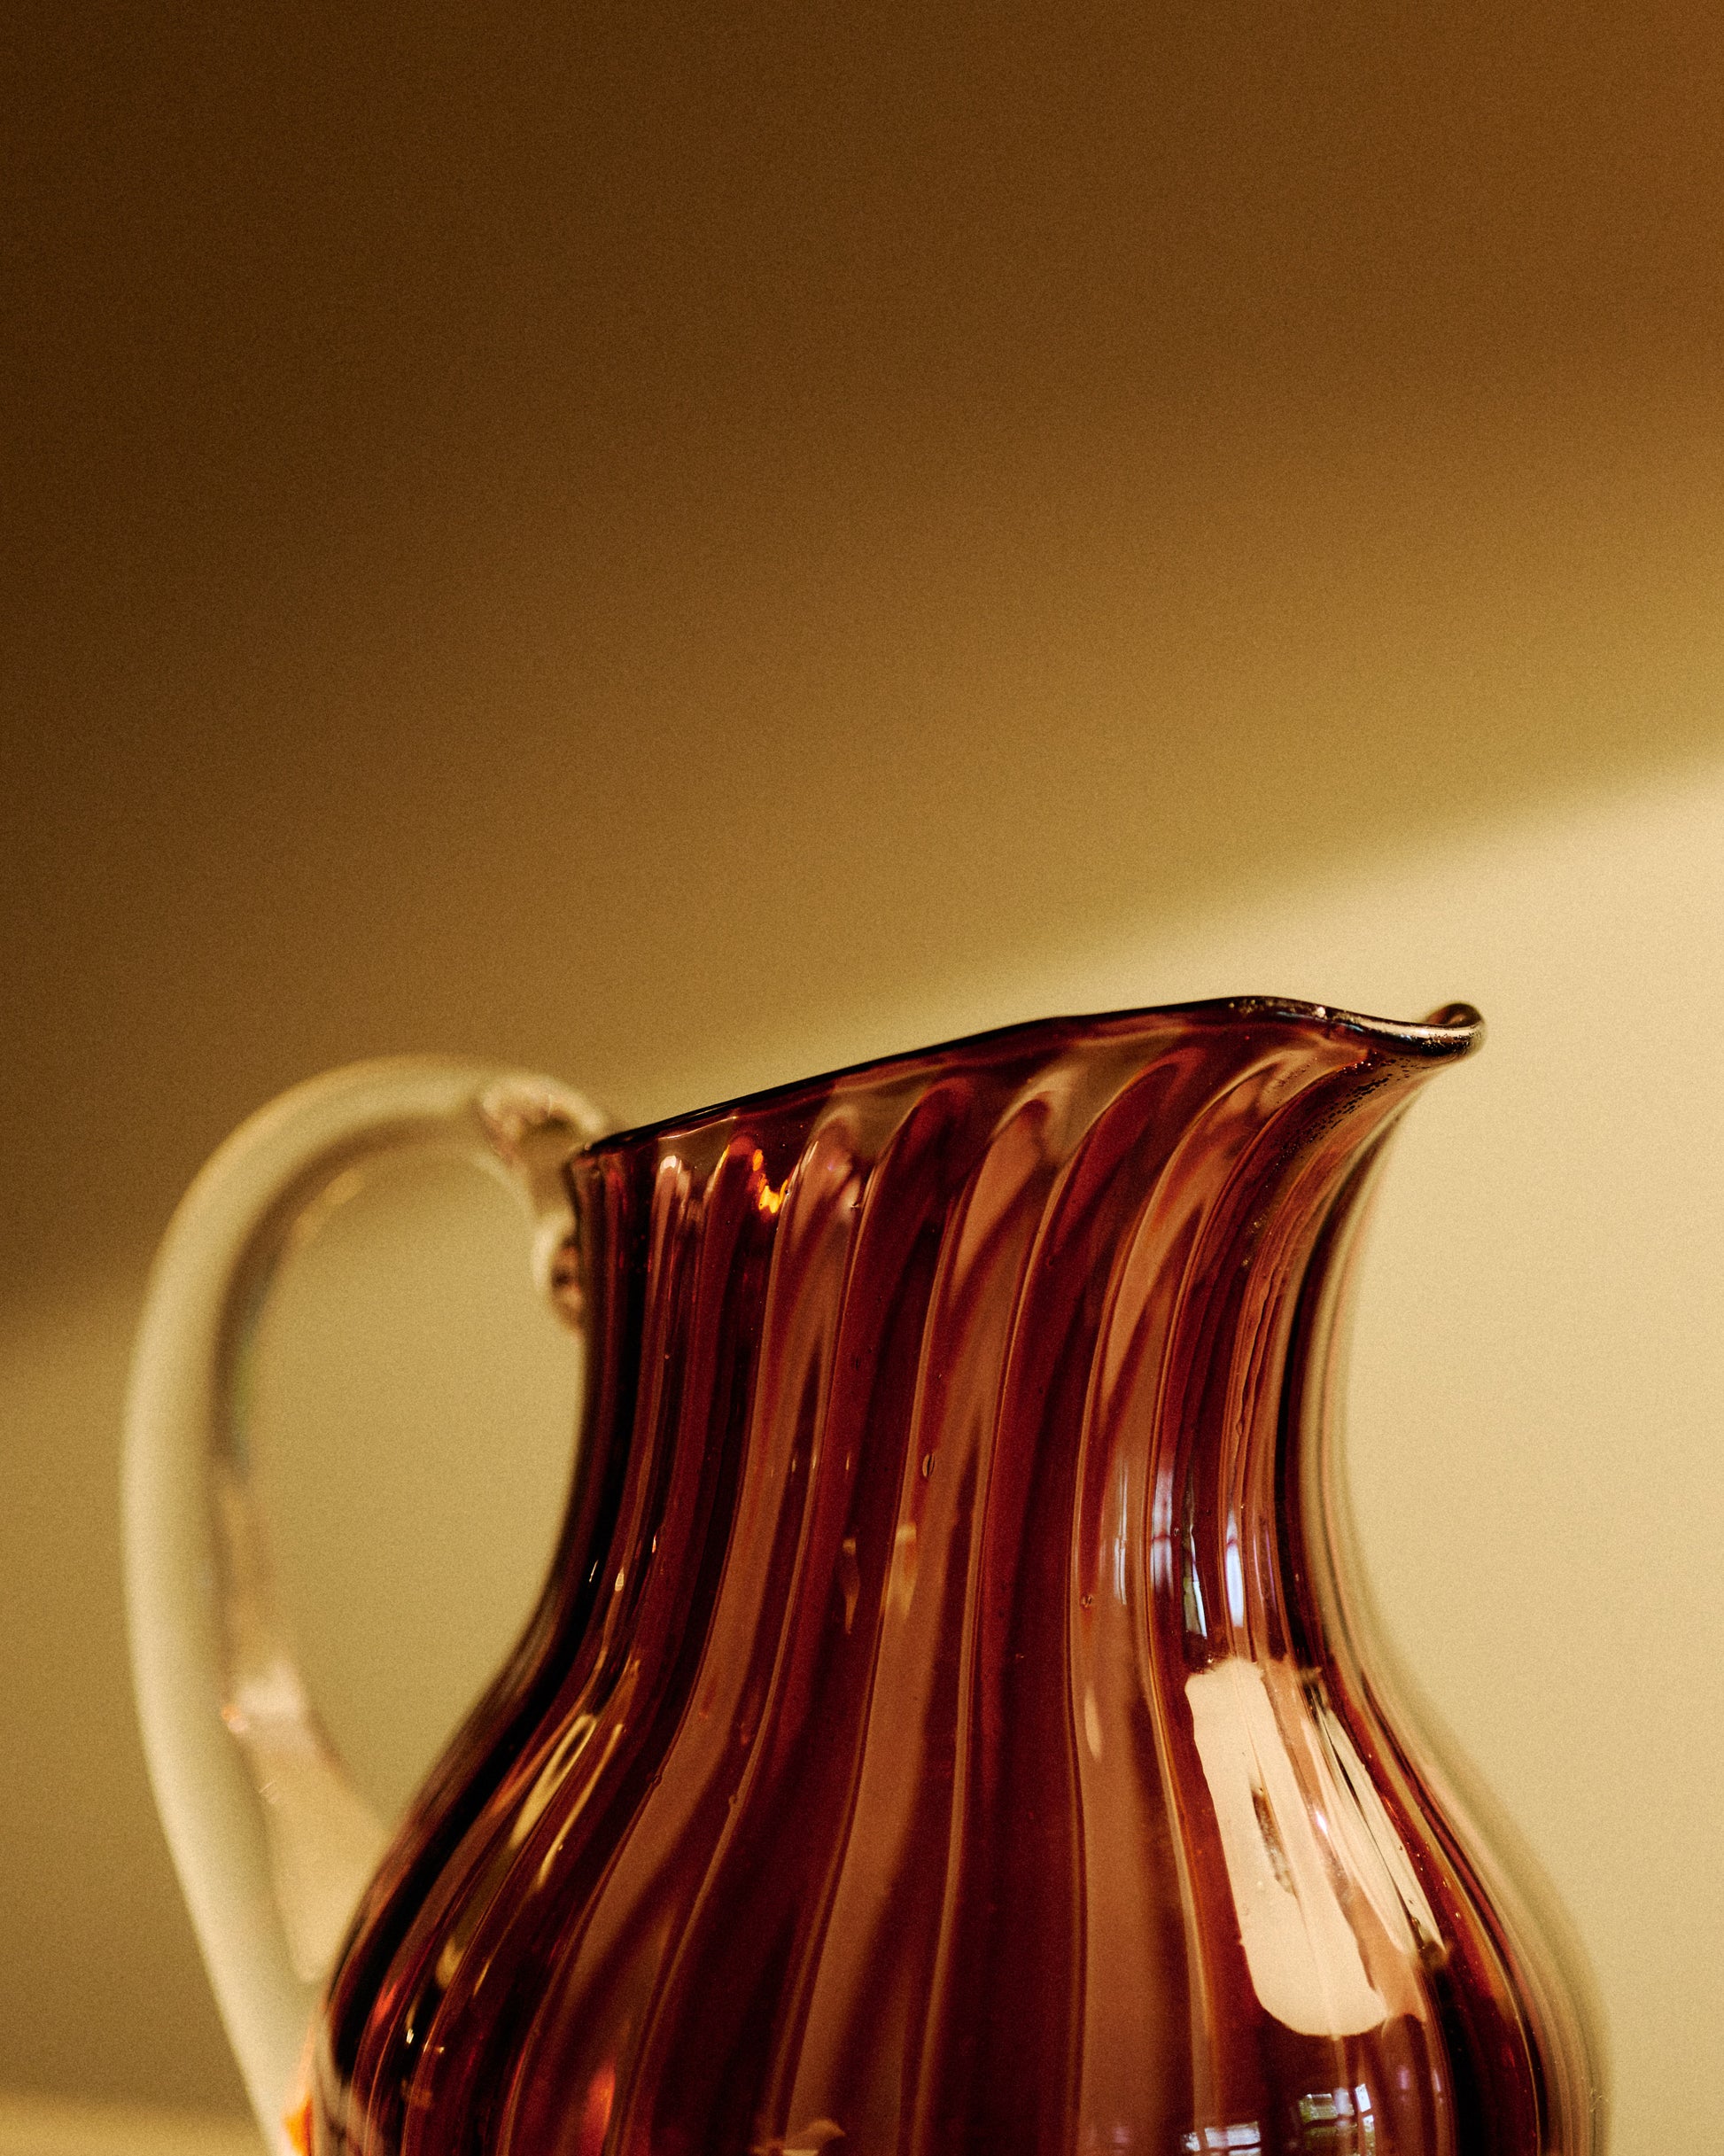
{"x": 951, "y": 1723}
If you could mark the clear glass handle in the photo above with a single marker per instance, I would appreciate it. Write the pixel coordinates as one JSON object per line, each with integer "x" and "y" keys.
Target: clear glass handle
{"x": 273, "y": 1842}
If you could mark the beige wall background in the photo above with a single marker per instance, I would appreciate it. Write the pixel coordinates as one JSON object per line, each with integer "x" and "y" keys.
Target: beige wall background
{"x": 683, "y": 549}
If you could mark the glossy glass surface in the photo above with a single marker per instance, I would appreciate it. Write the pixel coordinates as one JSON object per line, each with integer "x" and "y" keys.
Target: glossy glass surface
{"x": 948, "y": 1725}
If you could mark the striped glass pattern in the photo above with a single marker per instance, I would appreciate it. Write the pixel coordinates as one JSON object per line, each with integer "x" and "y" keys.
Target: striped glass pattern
{"x": 953, "y": 1722}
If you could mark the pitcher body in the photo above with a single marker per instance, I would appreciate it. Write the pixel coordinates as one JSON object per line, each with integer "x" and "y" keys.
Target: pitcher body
{"x": 952, "y": 1721}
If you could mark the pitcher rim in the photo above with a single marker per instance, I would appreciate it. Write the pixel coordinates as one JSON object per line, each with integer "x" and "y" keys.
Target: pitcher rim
{"x": 1452, "y": 1032}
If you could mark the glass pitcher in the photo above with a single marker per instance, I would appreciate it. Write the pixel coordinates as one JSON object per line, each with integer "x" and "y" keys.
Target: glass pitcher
{"x": 952, "y": 1721}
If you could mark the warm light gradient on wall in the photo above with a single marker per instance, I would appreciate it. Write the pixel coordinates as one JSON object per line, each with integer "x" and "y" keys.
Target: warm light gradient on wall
{"x": 670, "y": 549}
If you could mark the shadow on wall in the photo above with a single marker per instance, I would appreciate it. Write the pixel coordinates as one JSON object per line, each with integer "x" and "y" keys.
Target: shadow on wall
{"x": 647, "y": 794}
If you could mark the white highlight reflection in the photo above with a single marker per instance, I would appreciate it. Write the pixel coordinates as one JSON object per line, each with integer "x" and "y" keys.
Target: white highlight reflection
{"x": 1304, "y": 1956}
